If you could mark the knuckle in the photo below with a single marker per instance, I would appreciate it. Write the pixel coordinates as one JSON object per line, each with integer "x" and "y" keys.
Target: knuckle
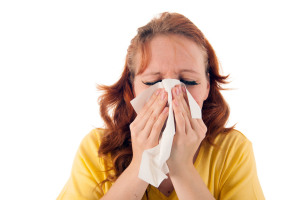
{"x": 153, "y": 142}
{"x": 197, "y": 137}
{"x": 132, "y": 128}
{"x": 161, "y": 102}
{"x": 132, "y": 125}
{"x": 153, "y": 98}
{"x": 180, "y": 119}
{"x": 177, "y": 111}
{"x": 156, "y": 127}
{"x": 140, "y": 140}
{"x": 194, "y": 137}
{"x": 152, "y": 109}
{"x": 133, "y": 134}
{"x": 147, "y": 105}
{"x": 180, "y": 142}
{"x": 153, "y": 117}
{"x": 181, "y": 124}
{"x": 200, "y": 136}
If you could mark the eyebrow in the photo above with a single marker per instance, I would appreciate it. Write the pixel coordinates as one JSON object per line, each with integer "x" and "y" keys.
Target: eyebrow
{"x": 152, "y": 74}
{"x": 189, "y": 70}
{"x": 158, "y": 73}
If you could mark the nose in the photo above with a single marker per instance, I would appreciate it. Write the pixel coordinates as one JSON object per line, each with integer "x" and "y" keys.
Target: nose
{"x": 171, "y": 76}
{"x": 171, "y": 86}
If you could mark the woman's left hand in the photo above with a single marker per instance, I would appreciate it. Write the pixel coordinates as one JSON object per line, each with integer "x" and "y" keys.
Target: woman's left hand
{"x": 189, "y": 133}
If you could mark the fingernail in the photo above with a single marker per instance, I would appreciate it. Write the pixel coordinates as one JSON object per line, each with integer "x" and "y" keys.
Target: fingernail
{"x": 183, "y": 89}
{"x": 157, "y": 92}
{"x": 162, "y": 95}
{"x": 177, "y": 91}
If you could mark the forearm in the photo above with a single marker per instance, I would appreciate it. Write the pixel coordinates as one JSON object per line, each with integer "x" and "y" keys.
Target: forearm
{"x": 188, "y": 184}
{"x": 128, "y": 186}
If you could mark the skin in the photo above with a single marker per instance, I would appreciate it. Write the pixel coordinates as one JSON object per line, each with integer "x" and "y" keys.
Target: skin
{"x": 176, "y": 57}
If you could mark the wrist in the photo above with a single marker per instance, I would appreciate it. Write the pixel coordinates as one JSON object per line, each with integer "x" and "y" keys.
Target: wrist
{"x": 133, "y": 171}
{"x": 133, "y": 167}
{"x": 181, "y": 170}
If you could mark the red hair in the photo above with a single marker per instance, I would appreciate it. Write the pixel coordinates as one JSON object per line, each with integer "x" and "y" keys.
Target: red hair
{"x": 115, "y": 107}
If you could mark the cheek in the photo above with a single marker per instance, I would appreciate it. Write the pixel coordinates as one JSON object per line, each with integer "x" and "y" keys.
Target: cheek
{"x": 138, "y": 88}
{"x": 197, "y": 93}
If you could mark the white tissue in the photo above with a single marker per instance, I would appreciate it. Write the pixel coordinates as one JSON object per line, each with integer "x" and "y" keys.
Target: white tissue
{"x": 153, "y": 168}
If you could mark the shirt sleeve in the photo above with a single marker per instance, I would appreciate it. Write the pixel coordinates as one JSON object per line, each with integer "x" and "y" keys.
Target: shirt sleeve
{"x": 239, "y": 179}
{"x": 85, "y": 175}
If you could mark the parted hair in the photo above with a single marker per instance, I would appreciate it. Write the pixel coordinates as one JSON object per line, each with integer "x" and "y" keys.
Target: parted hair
{"x": 116, "y": 110}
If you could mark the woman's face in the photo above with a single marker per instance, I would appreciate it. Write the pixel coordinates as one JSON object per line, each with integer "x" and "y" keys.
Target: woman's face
{"x": 175, "y": 57}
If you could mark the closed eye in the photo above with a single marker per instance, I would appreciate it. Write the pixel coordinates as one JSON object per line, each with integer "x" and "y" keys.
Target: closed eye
{"x": 151, "y": 83}
{"x": 182, "y": 80}
{"x": 189, "y": 82}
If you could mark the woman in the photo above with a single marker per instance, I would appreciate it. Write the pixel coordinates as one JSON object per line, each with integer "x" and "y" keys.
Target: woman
{"x": 207, "y": 161}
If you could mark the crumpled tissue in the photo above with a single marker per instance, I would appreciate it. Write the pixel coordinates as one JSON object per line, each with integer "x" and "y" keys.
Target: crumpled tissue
{"x": 153, "y": 168}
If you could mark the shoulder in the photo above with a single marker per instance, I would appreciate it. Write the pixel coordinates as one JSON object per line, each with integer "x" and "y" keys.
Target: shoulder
{"x": 232, "y": 142}
{"x": 94, "y": 135}
{"x": 89, "y": 147}
{"x": 88, "y": 170}
{"x": 92, "y": 139}
{"x": 229, "y": 148}
{"x": 233, "y": 149}
{"x": 237, "y": 168}
{"x": 233, "y": 137}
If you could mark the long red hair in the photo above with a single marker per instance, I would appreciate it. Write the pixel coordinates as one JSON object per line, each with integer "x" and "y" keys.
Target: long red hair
{"x": 115, "y": 107}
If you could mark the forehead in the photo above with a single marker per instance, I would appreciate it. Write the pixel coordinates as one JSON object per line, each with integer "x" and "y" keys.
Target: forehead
{"x": 176, "y": 53}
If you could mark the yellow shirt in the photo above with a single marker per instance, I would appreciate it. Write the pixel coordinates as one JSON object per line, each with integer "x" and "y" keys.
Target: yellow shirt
{"x": 229, "y": 170}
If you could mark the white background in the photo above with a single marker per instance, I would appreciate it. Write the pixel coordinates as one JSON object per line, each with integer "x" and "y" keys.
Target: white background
{"x": 52, "y": 54}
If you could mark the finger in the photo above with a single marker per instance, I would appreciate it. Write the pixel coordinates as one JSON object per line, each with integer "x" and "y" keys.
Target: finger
{"x": 183, "y": 87}
{"x": 185, "y": 111}
{"x": 152, "y": 99}
{"x": 188, "y": 125}
{"x": 192, "y": 126}
{"x": 201, "y": 132}
{"x": 184, "y": 102}
{"x": 158, "y": 107}
{"x": 184, "y": 94}
{"x": 202, "y": 125}
{"x": 177, "y": 93}
{"x": 147, "y": 110}
{"x": 179, "y": 118}
{"x": 157, "y": 127}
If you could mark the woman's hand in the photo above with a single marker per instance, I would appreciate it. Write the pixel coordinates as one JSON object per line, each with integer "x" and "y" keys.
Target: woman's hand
{"x": 146, "y": 128}
{"x": 189, "y": 133}
{"x": 145, "y": 131}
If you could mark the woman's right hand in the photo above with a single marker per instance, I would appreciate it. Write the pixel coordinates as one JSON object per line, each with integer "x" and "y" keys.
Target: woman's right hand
{"x": 146, "y": 128}
{"x": 145, "y": 131}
